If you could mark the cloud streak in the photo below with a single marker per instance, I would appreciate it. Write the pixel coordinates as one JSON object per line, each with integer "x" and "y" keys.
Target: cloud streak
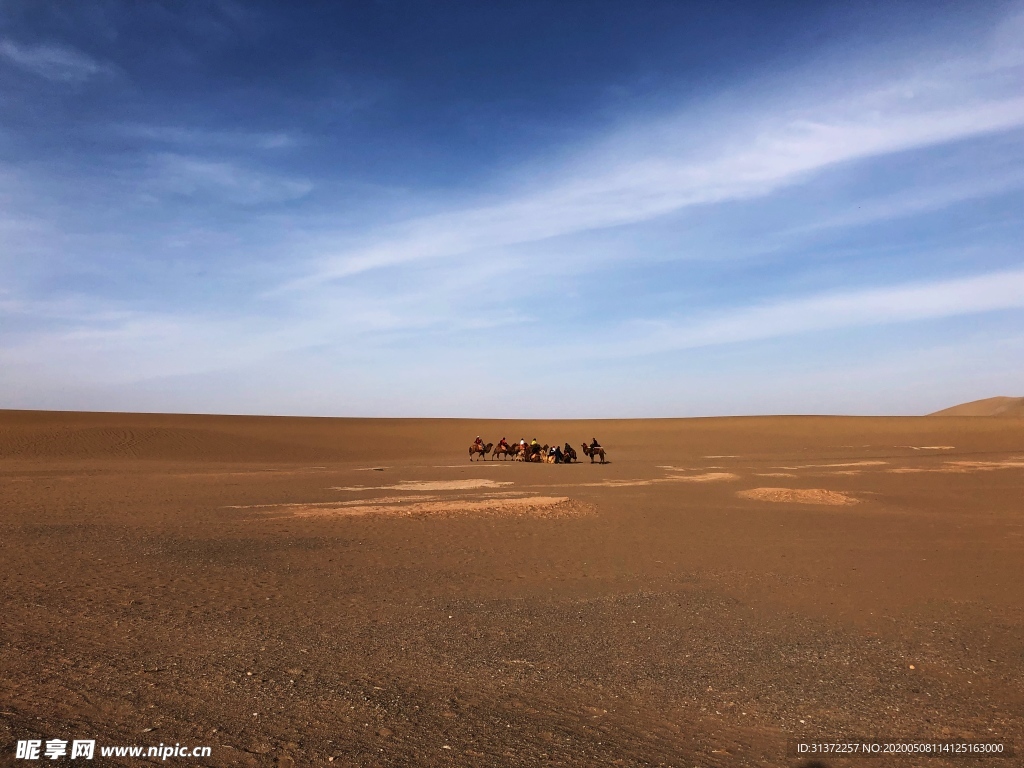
{"x": 990, "y": 292}
{"x": 189, "y": 176}
{"x": 752, "y": 153}
{"x": 934, "y": 197}
{"x": 179, "y": 345}
{"x": 57, "y": 63}
{"x": 190, "y": 136}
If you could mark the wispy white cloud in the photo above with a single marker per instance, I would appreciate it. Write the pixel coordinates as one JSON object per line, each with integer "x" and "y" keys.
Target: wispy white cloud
{"x": 104, "y": 341}
{"x": 917, "y": 200}
{"x": 192, "y": 176}
{"x": 989, "y": 292}
{"x": 704, "y": 157}
{"x": 1007, "y": 45}
{"x": 93, "y": 344}
{"x": 192, "y": 137}
{"x": 117, "y": 344}
{"x": 59, "y": 63}
{"x": 131, "y": 360}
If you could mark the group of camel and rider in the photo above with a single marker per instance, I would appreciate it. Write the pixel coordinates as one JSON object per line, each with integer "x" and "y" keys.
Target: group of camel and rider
{"x": 534, "y": 451}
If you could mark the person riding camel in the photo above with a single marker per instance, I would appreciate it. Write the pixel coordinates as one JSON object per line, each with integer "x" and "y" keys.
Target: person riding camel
{"x": 595, "y": 444}
{"x": 478, "y": 442}
{"x": 558, "y": 454}
{"x": 502, "y": 443}
{"x": 534, "y": 446}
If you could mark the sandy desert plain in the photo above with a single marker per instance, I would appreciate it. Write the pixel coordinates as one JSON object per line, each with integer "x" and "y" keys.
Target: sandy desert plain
{"x": 355, "y": 592}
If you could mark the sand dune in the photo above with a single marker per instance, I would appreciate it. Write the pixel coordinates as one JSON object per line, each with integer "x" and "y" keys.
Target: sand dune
{"x": 991, "y": 406}
{"x": 290, "y": 591}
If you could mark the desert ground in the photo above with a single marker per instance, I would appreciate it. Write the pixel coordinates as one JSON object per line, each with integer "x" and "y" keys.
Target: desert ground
{"x": 356, "y": 592}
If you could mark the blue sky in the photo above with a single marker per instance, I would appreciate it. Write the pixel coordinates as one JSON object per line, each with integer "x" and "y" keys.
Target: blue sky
{"x": 517, "y": 210}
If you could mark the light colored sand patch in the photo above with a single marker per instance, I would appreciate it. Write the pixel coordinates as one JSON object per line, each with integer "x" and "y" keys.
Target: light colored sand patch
{"x": 720, "y": 457}
{"x": 428, "y": 485}
{"x": 449, "y": 485}
{"x": 866, "y": 463}
{"x": 705, "y": 477}
{"x": 619, "y": 483}
{"x": 1016, "y": 462}
{"x": 297, "y": 504}
{"x": 502, "y": 494}
{"x": 485, "y": 463}
{"x": 963, "y": 467}
{"x": 544, "y": 506}
{"x": 370, "y": 469}
{"x": 928, "y": 447}
{"x": 249, "y": 472}
{"x": 775, "y": 474}
{"x": 798, "y": 496}
{"x": 379, "y": 500}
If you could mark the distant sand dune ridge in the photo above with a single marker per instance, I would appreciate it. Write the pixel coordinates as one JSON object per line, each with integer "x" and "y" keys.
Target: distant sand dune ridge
{"x": 1012, "y": 407}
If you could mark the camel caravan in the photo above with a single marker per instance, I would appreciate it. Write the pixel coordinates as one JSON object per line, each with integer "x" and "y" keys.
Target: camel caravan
{"x": 534, "y": 451}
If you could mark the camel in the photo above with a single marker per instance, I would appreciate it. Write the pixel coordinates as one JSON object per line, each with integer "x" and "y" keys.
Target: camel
{"x": 568, "y": 454}
{"x": 538, "y": 454}
{"x": 483, "y": 450}
{"x": 598, "y": 451}
{"x": 505, "y": 450}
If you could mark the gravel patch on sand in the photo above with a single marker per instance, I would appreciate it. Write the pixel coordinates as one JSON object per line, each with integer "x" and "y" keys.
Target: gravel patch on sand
{"x": 798, "y": 496}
